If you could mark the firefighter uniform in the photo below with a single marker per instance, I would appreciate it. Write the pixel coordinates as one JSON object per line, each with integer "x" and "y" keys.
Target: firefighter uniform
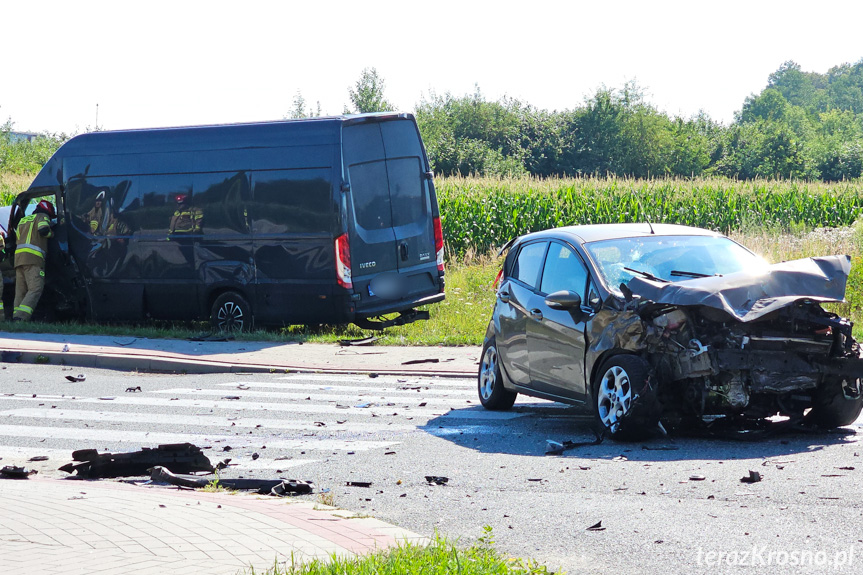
{"x": 33, "y": 233}
{"x": 186, "y": 220}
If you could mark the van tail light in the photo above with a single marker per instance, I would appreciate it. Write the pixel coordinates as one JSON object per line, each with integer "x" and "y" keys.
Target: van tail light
{"x": 343, "y": 262}
{"x": 438, "y": 243}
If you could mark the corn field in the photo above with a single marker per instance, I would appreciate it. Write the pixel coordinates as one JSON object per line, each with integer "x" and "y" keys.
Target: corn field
{"x": 479, "y": 214}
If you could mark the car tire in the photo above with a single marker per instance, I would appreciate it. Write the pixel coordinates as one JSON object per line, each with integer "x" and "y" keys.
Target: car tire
{"x": 231, "y": 313}
{"x": 492, "y": 394}
{"x": 617, "y": 388}
{"x": 835, "y": 405}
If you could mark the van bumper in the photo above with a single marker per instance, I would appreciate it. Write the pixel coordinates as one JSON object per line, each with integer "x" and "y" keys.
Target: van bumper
{"x": 397, "y": 306}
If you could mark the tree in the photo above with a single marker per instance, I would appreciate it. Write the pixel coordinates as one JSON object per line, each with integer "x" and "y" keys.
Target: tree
{"x": 300, "y": 111}
{"x": 368, "y": 95}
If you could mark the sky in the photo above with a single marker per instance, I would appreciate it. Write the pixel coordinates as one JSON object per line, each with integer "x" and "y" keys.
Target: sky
{"x": 187, "y": 62}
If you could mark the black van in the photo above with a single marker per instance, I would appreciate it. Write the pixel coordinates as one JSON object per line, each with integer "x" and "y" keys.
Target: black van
{"x": 323, "y": 220}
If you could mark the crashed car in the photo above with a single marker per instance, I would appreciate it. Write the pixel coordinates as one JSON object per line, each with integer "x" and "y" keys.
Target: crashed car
{"x": 658, "y": 326}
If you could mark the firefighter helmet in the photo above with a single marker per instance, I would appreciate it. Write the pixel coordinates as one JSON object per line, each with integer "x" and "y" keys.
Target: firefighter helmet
{"x": 46, "y": 207}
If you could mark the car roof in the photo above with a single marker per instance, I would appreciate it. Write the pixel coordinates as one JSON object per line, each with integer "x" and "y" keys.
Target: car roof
{"x": 597, "y": 232}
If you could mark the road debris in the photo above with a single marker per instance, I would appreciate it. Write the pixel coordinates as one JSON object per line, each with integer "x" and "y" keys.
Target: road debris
{"x": 556, "y": 448}
{"x": 38, "y": 458}
{"x": 436, "y": 480}
{"x": 417, "y": 361}
{"x": 359, "y": 483}
{"x": 136, "y": 389}
{"x": 182, "y": 457}
{"x": 697, "y": 478}
{"x": 596, "y": 527}
{"x": 362, "y": 341}
{"x": 75, "y": 378}
{"x": 753, "y": 477}
{"x": 14, "y": 472}
{"x": 277, "y": 487}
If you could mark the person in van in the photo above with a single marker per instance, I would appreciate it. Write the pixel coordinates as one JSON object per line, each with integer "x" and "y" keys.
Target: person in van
{"x": 33, "y": 232}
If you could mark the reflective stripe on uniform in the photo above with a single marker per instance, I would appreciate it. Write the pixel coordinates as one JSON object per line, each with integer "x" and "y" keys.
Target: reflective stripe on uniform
{"x": 30, "y": 249}
{"x": 25, "y": 309}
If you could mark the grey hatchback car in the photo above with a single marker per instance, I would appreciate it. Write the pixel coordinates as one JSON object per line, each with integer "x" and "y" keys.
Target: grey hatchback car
{"x": 660, "y": 326}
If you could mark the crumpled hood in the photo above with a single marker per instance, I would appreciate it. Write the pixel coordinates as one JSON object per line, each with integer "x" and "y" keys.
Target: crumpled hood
{"x": 748, "y": 296}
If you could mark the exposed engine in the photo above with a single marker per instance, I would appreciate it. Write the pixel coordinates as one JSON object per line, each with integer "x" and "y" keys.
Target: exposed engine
{"x": 708, "y": 363}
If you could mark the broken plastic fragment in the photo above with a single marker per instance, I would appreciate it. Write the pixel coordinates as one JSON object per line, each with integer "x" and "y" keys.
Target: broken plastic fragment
{"x": 753, "y": 477}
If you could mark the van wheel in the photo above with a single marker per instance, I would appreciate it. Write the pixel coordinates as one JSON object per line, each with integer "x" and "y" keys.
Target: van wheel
{"x": 231, "y": 312}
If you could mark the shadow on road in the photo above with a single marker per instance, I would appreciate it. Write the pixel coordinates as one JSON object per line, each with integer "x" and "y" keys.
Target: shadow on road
{"x": 526, "y": 429}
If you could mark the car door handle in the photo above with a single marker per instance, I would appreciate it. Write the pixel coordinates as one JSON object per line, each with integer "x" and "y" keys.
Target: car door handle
{"x": 503, "y": 296}
{"x": 536, "y": 314}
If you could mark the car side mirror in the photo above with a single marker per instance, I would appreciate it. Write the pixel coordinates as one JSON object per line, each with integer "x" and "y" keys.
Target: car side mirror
{"x": 564, "y": 299}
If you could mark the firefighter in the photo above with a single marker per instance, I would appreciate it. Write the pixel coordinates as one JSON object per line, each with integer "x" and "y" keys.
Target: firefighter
{"x": 33, "y": 232}
{"x": 95, "y": 216}
{"x": 187, "y": 219}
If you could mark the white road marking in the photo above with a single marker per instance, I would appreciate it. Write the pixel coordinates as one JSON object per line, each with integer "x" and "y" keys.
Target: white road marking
{"x": 200, "y": 420}
{"x": 376, "y": 399}
{"x": 158, "y": 438}
{"x": 404, "y": 389}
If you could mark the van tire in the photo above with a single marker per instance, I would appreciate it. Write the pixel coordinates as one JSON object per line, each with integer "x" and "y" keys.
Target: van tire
{"x": 231, "y": 313}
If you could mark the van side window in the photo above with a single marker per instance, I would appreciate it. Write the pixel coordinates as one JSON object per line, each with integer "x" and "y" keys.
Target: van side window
{"x": 96, "y": 204}
{"x": 221, "y": 198}
{"x": 409, "y": 204}
{"x": 369, "y": 191}
{"x": 158, "y": 195}
{"x": 291, "y": 201}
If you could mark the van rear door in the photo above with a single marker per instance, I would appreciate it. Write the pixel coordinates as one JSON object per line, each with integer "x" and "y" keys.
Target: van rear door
{"x": 392, "y": 243}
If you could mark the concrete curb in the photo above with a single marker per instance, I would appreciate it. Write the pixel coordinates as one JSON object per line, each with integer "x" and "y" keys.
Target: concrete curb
{"x": 386, "y": 360}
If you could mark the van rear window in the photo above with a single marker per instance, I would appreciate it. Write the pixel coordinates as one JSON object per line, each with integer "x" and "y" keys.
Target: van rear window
{"x": 371, "y": 196}
{"x": 406, "y": 191}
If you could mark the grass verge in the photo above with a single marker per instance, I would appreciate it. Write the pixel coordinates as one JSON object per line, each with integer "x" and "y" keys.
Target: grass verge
{"x": 440, "y": 557}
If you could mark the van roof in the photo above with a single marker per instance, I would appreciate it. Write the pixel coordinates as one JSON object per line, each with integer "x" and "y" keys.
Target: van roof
{"x": 280, "y": 133}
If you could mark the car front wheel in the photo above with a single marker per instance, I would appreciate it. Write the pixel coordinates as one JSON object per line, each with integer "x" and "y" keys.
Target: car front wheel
{"x": 492, "y": 394}
{"x": 837, "y": 403}
{"x": 616, "y": 391}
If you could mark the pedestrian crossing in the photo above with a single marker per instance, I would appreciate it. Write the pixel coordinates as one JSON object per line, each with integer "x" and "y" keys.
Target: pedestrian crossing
{"x": 264, "y": 422}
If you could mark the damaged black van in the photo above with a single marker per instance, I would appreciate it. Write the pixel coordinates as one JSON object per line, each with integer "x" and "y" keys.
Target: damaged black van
{"x": 323, "y": 220}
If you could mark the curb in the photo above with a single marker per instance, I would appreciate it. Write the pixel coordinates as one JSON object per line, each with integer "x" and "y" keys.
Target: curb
{"x": 134, "y": 362}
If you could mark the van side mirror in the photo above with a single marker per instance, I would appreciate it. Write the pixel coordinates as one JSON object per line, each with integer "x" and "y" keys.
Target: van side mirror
{"x": 564, "y": 299}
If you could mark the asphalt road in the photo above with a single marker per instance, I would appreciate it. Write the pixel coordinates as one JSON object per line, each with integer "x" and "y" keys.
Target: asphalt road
{"x": 667, "y": 505}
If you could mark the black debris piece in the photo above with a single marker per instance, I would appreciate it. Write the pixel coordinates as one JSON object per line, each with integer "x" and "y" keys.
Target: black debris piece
{"x": 359, "y": 483}
{"x": 753, "y": 477}
{"x": 416, "y": 361}
{"x": 135, "y": 389}
{"x": 11, "y": 356}
{"x": 437, "y": 480}
{"x": 255, "y": 456}
{"x": 39, "y": 458}
{"x": 73, "y": 378}
{"x": 556, "y": 448}
{"x": 13, "y": 472}
{"x": 212, "y": 337}
{"x": 596, "y": 527}
{"x": 278, "y": 487}
{"x": 183, "y": 457}
{"x": 231, "y": 397}
{"x": 362, "y": 341}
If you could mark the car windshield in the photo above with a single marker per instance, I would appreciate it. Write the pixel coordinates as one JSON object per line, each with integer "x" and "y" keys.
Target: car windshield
{"x": 669, "y": 258}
